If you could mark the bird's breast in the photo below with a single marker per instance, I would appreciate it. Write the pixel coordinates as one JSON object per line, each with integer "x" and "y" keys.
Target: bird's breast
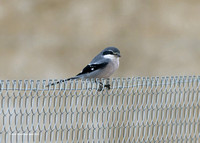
{"x": 112, "y": 66}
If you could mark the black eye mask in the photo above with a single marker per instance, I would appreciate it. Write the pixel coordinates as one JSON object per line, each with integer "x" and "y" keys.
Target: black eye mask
{"x": 108, "y": 52}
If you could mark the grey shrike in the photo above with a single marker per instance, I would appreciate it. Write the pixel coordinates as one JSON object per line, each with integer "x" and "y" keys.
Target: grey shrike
{"x": 102, "y": 66}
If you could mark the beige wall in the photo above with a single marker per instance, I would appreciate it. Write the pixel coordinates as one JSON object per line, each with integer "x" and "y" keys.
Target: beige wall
{"x": 55, "y": 39}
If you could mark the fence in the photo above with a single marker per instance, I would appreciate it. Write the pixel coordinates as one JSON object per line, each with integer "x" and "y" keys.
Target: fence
{"x": 165, "y": 109}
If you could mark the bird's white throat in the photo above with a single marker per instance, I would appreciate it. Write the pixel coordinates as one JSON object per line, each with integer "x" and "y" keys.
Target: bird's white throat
{"x": 111, "y": 57}
{"x": 114, "y": 59}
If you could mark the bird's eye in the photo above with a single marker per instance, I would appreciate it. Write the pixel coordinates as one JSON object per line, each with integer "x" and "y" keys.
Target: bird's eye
{"x": 108, "y": 53}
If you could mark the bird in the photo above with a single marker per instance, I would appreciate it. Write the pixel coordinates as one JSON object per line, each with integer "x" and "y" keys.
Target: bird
{"x": 102, "y": 66}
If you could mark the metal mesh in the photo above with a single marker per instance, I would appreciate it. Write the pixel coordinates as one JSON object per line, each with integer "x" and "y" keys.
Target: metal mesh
{"x": 165, "y": 109}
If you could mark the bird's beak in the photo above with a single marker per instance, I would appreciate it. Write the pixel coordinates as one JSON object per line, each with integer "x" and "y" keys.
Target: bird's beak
{"x": 118, "y": 54}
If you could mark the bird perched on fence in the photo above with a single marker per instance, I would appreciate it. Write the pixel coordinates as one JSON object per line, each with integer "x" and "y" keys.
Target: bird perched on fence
{"x": 101, "y": 66}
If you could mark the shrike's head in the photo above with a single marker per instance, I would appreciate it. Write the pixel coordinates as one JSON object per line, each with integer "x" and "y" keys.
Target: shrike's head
{"x": 111, "y": 52}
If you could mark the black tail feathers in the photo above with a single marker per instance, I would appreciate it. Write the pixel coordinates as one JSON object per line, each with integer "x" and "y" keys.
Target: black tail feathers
{"x": 62, "y": 80}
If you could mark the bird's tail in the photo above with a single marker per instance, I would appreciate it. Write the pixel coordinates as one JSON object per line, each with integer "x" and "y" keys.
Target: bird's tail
{"x": 63, "y": 80}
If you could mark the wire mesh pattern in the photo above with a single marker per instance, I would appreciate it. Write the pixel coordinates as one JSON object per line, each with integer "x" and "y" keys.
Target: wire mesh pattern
{"x": 138, "y": 109}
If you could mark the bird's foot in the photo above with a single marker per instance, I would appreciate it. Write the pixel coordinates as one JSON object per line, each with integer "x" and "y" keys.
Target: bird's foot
{"x": 107, "y": 86}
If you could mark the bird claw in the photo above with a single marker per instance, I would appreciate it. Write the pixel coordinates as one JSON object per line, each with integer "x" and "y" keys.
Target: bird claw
{"x": 107, "y": 86}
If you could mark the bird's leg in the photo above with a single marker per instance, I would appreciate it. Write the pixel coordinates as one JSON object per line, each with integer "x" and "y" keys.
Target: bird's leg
{"x": 107, "y": 85}
{"x": 99, "y": 83}
{"x": 100, "y": 86}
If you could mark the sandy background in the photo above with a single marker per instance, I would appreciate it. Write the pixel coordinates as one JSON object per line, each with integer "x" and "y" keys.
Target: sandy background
{"x": 42, "y": 39}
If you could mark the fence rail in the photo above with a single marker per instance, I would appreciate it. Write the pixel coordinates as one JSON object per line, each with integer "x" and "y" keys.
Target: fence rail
{"x": 138, "y": 109}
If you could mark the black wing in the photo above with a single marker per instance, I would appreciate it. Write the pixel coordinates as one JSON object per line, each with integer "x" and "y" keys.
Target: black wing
{"x": 91, "y": 68}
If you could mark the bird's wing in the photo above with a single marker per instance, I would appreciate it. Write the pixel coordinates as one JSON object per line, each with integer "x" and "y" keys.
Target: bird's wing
{"x": 97, "y": 59}
{"x": 92, "y": 67}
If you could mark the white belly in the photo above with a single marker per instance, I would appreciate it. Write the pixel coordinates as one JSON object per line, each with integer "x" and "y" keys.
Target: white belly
{"x": 110, "y": 68}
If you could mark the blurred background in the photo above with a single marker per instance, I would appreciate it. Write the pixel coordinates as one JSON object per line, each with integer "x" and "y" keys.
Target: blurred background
{"x": 48, "y": 39}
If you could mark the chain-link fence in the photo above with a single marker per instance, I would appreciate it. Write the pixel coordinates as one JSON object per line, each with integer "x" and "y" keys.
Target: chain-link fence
{"x": 165, "y": 109}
